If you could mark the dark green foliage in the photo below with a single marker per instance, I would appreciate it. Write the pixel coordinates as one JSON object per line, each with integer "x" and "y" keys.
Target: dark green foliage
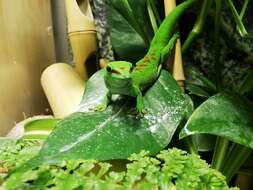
{"x": 235, "y": 53}
{"x": 130, "y": 39}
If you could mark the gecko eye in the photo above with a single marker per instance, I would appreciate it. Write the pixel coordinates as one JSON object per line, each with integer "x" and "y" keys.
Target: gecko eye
{"x": 108, "y": 69}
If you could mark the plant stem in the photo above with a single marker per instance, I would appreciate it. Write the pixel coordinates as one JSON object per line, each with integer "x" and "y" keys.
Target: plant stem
{"x": 243, "y": 32}
{"x": 244, "y": 7}
{"x": 152, "y": 16}
{"x": 198, "y": 26}
{"x": 157, "y": 16}
{"x": 247, "y": 84}
{"x": 217, "y": 62}
{"x": 190, "y": 145}
{"x": 221, "y": 145}
{"x": 238, "y": 156}
{"x": 242, "y": 13}
{"x": 220, "y": 151}
{"x": 230, "y": 149}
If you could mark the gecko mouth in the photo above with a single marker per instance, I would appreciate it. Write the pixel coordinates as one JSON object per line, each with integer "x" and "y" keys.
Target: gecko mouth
{"x": 116, "y": 72}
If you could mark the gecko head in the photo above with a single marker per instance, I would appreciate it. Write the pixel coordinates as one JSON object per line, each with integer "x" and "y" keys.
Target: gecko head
{"x": 118, "y": 74}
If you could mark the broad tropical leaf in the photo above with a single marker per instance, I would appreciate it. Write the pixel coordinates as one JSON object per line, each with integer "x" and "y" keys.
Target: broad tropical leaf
{"x": 226, "y": 115}
{"x": 117, "y": 132}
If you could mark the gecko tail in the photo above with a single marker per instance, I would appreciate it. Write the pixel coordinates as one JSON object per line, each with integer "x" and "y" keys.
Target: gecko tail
{"x": 167, "y": 28}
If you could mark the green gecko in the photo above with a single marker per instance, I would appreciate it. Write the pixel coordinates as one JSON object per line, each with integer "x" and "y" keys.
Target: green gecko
{"x": 121, "y": 77}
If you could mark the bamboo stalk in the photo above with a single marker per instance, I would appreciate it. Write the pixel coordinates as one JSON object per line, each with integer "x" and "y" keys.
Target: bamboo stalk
{"x": 63, "y": 88}
{"x": 176, "y": 61}
{"x": 82, "y": 35}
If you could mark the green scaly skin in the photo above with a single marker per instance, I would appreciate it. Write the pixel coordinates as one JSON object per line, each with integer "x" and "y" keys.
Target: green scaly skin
{"x": 124, "y": 79}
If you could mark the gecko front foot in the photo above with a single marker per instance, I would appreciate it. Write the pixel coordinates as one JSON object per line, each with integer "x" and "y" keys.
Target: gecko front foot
{"x": 140, "y": 110}
{"x": 100, "y": 107}
{"x": 141, "y": 113}
{"x": 103, "y": 105}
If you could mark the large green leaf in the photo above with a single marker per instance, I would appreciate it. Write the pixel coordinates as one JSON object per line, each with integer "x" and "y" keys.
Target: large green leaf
{"x": 117, "y": 132}
{"x": 128, "y": 35}
{"x": 226, "y": 115}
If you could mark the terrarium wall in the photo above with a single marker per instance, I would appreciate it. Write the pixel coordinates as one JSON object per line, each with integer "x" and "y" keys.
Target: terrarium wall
{"x": 26, "y": 48}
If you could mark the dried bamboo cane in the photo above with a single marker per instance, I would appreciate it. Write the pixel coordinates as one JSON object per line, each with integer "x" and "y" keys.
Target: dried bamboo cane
{"x": 176, "y": 61}
{"x": 63, "y": 88}
{"x": 82, "y": 34}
